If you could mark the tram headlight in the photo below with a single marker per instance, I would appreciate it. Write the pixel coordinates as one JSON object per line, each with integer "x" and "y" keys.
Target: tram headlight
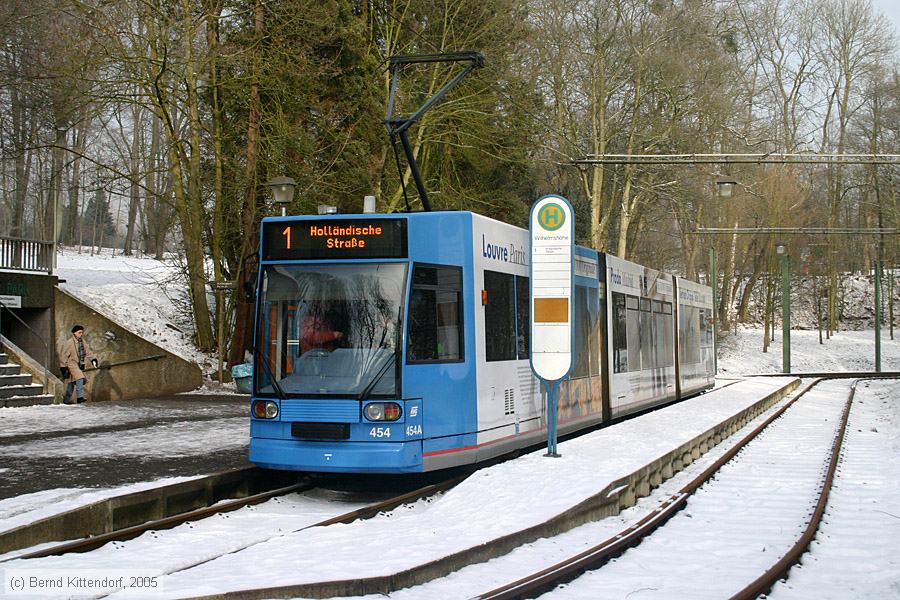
{"x": 383, "y": 411}
{"x": 265, "y": 409}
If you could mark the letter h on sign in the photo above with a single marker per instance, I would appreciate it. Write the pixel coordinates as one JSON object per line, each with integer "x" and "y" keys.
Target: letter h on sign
{"x": 551, "y": 217}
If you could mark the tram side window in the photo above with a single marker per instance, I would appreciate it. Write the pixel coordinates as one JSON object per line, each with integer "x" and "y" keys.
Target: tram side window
{"x": 620, "y": 341}
{"x": 582, "y": 334}
{"x": 500, "y": 316}
{"x": 587, "y": 332}
{"x": 667, "y": 342}
{"x": 523, "y": 317}
{"x": 648, "y": 336}
{"x": 690, "y": 335}
{"x": 662, "y": 324}
{"x": 435, "y": 315}
{"x": 633, "y": 329}
{"x": 593, "y": 303}
{"x": 706, "y": 328}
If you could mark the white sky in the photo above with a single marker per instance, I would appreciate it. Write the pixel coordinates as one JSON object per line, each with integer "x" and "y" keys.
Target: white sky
{"x": 891, "y": 9}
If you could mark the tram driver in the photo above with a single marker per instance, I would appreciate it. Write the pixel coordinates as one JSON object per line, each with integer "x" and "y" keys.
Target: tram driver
{"x": 317, "y": 330}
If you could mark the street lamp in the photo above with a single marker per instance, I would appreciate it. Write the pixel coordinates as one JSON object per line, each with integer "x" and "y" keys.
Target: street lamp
{"x": 724, "y": 190}
{"x": 781, "y": 250}
{"x": 725, "y": 187}
{"x": 282, "y": 191}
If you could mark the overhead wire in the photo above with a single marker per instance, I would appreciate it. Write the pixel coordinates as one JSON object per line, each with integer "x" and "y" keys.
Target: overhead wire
{"x": 536, "y": 117}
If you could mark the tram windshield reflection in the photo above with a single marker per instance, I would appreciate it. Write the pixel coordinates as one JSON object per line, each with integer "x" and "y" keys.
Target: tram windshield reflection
{"x": 330, "y": 329}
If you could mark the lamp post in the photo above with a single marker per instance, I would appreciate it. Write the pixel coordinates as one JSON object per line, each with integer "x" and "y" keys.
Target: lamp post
{"x": 282, "y": 191}
{"x": 713, "y": 276}
{"x": 781, "y": 249}
{"x": 724, "y": 190}
{"x": 878, "y": 316}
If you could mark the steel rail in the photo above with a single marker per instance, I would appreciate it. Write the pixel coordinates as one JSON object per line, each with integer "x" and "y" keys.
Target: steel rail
{"x": 845, "y": 375}
{"x": 566, "y": 570}
{"x": 765, "y": 581}
{"x": 365, "y": 512}
{"x": 128, "y": 533}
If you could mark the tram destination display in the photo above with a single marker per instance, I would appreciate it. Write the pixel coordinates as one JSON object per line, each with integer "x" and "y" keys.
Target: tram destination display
{"x": 334, "y": 239}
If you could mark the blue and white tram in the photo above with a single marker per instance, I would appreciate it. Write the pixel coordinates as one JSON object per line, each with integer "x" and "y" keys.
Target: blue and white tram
{"x": 400, "y": 343}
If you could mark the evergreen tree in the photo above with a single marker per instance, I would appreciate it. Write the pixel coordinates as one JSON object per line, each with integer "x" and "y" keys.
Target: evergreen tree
{"x": 97, "y": 224}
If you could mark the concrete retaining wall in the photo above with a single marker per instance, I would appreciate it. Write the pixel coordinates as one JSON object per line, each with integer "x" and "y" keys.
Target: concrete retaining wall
{"x": 127, "y": 510}
{"x": 130, "y": 366}
{"x": 46, "y": 377}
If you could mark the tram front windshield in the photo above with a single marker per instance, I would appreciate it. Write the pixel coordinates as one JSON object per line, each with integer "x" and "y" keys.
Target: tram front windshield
{"x": 330, "y": 330}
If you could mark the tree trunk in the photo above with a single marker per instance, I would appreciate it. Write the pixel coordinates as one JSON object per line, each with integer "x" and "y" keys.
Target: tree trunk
{"x": 193, "y": 213}
{"x": 135, "y": 192}
{"x": 243, "y": 318}
{"x": 213, "y": 14}
{"x": 71, "y": 222}
{"x": 22, "y": 162}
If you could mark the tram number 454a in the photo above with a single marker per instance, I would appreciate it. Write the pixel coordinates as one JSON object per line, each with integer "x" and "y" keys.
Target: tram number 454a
{"x": 385, "y": 432}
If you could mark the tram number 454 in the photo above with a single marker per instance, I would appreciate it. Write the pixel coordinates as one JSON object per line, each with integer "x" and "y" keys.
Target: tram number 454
{"x": 385, "y": 432}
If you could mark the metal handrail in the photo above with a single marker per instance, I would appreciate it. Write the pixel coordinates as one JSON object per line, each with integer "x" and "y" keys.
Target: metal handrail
{"x": 40, "y": 339}
{"x": 101, "y": 366}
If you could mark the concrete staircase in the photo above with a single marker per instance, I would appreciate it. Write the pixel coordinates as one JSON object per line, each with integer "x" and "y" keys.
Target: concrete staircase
{"x": 16, "y": 388}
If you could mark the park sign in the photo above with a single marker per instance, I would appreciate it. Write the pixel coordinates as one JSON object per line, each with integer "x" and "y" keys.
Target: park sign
{"x": 552, "y": 227}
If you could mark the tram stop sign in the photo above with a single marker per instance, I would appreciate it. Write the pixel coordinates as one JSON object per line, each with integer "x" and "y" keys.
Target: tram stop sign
{"x": 552, "y": 228}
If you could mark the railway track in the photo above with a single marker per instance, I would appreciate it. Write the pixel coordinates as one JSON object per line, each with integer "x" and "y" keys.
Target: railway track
{"x": 180, "y": 584}
{"x": 322, "y": 511}
{"x": 127, "y": 533}
{"x": 246, "y": 475}
{"x": 794, "y": 440}
{"x": 127, "y": 515}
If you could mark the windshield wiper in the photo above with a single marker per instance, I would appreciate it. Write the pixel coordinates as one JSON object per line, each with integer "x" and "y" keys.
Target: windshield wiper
{"x": 364, "y": 394}
{"x": 278, "y": 391}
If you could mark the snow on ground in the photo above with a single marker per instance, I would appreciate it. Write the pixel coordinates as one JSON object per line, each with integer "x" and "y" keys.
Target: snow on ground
{"x": 741, "y": 353}
{"x": 146, "y": 296}
{"x": 513, "y": 495}
{"x": 185, "y": 438}
{"x": 33, "y": 420}
{"x": 855, "y": 553}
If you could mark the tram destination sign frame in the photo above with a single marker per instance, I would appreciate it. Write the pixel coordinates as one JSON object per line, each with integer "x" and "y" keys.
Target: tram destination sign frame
{"x": 337, "y": 239}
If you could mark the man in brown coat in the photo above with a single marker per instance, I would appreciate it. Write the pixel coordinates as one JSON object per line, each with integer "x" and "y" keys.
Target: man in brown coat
{"x": 75, "y": 352}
